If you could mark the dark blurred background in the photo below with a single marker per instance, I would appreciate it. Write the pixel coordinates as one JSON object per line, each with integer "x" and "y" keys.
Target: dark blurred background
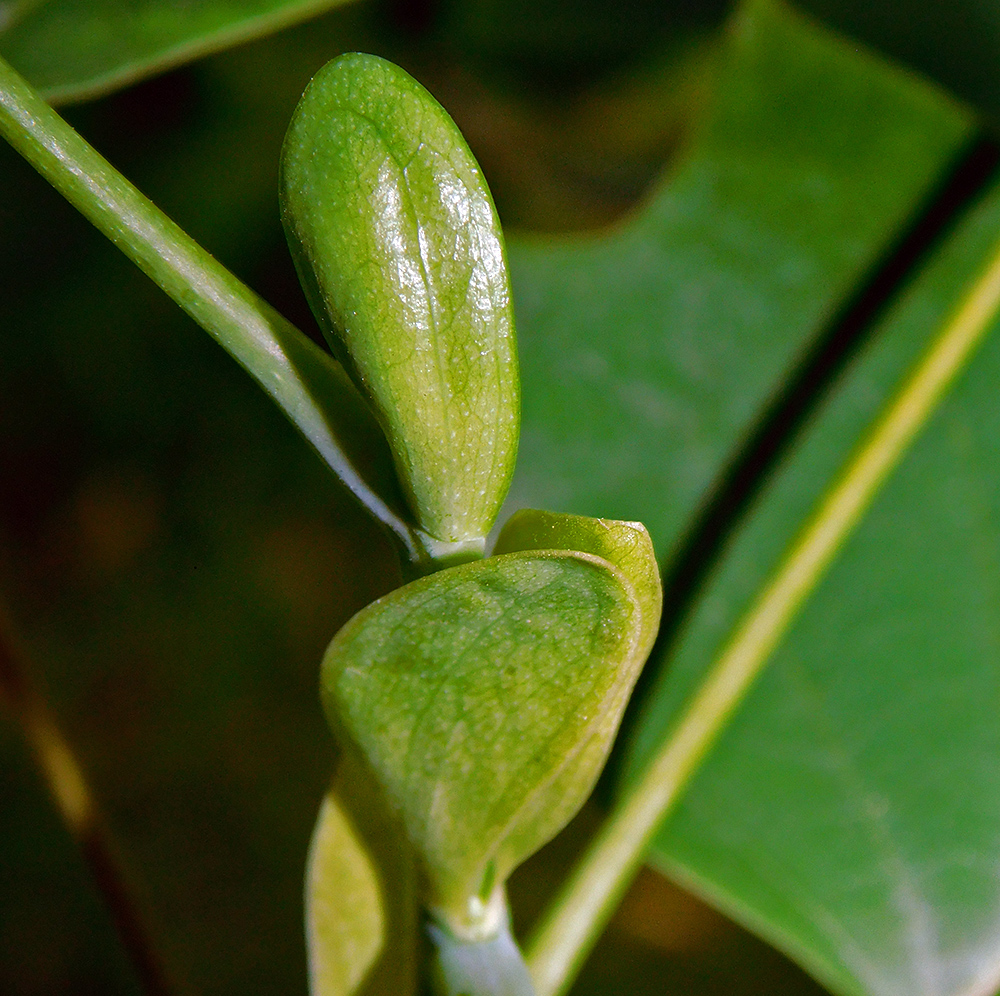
{"x": 175, "y": 559}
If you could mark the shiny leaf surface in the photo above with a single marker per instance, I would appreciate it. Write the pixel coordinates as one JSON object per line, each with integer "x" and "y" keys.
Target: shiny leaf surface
{"x": 400, "y": 252}
{"x": 473, "y": 695}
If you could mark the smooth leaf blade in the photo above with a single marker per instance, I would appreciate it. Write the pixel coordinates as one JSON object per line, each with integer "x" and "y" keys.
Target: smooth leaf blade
{"x": 398, "y": 246}
{"x": 473, "y": 694}
{"x": 648, "y": 354}
{"x": 862, "y": 837}
{"x": 74, "y": 49}
{"x": 360, "y": 896}
{"x": 625, "y": 544}
{"x": 785, "y": 198}
{"x": 345, "y": 922}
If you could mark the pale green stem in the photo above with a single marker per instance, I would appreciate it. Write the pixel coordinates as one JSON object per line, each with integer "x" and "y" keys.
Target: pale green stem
{"x": 304, "y": 381}
{"x": 492, "y": 966}
{"x": 590, "y": 895}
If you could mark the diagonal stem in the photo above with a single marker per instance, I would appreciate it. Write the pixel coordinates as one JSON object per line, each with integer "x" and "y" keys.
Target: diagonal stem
{"x": 68, "y": 788}
{"x": 304, "y": 381}
{"x": 591, "y": 894}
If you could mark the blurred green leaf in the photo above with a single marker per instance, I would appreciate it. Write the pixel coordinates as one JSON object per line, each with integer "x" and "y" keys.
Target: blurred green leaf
{"x": 361, "y": 907}
{"x": 647, "y": 354}
{"x": 850, "y": 812}
{"x": 835, "y": 814}
{"x": 346, "y": 925}
{"x": 72, "y": 49}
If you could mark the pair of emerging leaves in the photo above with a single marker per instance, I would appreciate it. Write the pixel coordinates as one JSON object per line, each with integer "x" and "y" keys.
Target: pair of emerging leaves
{"x": 479, "y": 702}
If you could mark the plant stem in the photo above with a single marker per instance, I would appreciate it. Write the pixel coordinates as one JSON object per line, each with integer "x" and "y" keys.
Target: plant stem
{"x": 305, "y": 382}
{"x": 590, "y": 895}
{"x": 80, "y": 813}
{"x": 491, "y": 966}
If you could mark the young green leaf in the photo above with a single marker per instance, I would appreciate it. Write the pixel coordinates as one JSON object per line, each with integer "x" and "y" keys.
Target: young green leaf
{"x": 399, "y": 249}
{"x": 361, "y": 923}
{"x": 625, "y": 544}
{"x": 483, "y": 699}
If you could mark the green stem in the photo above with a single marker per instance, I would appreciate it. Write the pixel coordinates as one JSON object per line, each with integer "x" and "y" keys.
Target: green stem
{"x": 591, "y": 894}
{"x": 493, "y": 966}
{"x": 306, "y": 383}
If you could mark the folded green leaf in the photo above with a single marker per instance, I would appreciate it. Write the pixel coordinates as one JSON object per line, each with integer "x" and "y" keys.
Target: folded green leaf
{"x": 627, "y": 545}
{"x": 399, "y": 249}
{"x": 483, "y": 699}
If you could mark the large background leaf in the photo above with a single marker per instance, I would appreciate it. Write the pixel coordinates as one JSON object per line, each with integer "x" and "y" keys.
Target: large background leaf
{"x": 648, "y": 354}
{"x": 77, "y": 48}
{"x": 836, "y": 815}
{"x": 852, "y": 810}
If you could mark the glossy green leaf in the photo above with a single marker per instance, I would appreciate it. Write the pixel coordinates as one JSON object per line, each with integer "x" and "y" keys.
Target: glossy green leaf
{"x": 72, "y": 49}
{"x": 361, "y": 914}
{"x": 476, "y": 696}
{"x": 625, "y": 544}
{"x": 399, "y": 249}
{"x": 850, "y": 812}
